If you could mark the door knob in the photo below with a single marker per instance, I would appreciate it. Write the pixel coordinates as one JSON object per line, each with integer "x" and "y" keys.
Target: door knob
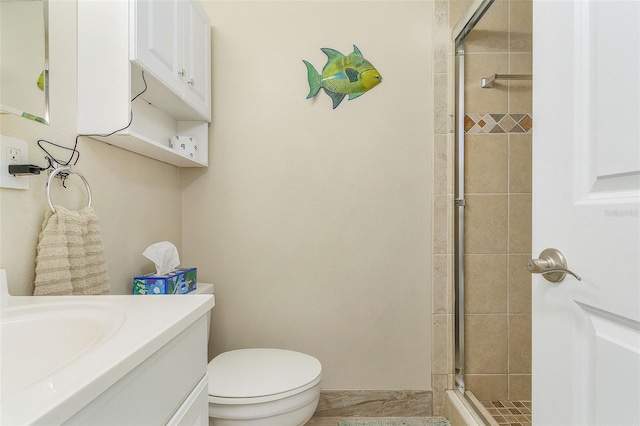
{"x": 552, "y": 265}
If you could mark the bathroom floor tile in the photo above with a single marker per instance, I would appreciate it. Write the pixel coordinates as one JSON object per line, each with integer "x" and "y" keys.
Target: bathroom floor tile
{"x": 512, "y": 413}
{"x": 323, "y": 421}
{"x": 333, "y": 421}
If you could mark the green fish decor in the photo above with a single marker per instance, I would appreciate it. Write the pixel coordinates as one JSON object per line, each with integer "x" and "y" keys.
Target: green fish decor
{"x": 343, "y": 75}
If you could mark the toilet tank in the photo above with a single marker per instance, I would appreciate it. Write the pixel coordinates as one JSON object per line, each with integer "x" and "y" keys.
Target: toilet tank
{"x": 203, "y": 288}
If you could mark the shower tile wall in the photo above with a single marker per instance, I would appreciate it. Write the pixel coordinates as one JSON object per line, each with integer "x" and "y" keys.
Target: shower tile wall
{"x": 499, "y": 176}
{"x": 442, "y": 278}
{"x": 498, "y": 206}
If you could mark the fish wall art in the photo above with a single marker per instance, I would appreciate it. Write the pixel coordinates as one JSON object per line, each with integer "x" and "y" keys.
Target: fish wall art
{"x": 351, "y": 75}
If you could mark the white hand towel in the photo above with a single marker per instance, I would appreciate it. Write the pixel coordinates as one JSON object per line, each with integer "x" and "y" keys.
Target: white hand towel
{"x": 70, "y": 256}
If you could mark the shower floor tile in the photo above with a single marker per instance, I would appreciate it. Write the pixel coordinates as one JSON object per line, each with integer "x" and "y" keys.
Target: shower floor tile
{"x": 512, "y": 413}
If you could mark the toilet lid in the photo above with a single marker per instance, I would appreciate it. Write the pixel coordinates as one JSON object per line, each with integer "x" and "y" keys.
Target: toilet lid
{"x": 251, "y": 373}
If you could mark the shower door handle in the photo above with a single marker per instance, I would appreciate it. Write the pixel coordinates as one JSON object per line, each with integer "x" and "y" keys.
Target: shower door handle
{"x": 552, "y": 265}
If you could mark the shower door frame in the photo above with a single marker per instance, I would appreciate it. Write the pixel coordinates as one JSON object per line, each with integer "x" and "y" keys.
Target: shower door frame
{"x": 460, "y": 33}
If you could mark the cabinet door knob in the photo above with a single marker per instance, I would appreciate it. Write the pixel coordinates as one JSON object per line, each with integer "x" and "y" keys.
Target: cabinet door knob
{"x": 182, "y": 73}
{"x": 552, "y": 265}
{"x": 191, "y": 82}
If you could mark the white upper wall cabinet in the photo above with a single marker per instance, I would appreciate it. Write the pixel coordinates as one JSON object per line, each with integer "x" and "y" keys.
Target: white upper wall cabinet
{"x": 171, "y": 40}
{"x": 159, "y": 50}
{"x": 197, "y": 64}
{"x": 157, "y": 40}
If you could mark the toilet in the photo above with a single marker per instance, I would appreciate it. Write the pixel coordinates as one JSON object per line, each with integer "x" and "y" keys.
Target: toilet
{"x": 262, "y": 386}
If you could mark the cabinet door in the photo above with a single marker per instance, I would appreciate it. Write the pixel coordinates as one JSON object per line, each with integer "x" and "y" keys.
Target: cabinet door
{"x": 157, "y": 40}
{"x": 198, "y": 57}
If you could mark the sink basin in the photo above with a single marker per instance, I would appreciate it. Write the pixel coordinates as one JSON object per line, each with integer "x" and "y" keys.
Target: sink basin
{"x": 39, "y": 340}
{"x": 60, "y": 353}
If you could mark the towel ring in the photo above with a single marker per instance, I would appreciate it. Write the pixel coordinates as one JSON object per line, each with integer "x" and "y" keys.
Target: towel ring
{"x": 70, "y": 170}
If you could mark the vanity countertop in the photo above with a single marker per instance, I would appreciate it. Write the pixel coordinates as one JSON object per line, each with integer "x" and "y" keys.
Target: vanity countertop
{"x": 112, "y": 335}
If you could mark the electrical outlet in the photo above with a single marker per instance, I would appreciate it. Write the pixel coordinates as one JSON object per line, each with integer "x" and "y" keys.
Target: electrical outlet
{"x": 13, "y": 155}
{"x": 13, "y": 151}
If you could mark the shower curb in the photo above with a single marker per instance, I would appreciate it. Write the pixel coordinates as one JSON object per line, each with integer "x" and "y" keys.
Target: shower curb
{"x": 460, "y": 411}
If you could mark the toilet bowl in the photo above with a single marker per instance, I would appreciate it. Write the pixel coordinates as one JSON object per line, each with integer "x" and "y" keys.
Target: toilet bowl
{"x": 262, "y": 386}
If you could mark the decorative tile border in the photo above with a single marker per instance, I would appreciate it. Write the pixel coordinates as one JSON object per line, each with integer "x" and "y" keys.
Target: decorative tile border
{"x": 497, "y": 123}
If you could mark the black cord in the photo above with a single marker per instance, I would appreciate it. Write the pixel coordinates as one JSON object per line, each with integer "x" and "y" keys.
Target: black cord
{"x": 74, "y": 151}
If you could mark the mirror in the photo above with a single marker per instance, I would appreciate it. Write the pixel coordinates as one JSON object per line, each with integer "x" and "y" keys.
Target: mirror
{"x": 24, "y": 58}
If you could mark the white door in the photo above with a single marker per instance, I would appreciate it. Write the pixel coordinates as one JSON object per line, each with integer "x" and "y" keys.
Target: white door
{"x": 586, "y": 334}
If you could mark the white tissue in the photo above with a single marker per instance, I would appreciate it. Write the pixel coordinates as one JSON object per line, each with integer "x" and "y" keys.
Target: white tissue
{"x": 165, "y": 256}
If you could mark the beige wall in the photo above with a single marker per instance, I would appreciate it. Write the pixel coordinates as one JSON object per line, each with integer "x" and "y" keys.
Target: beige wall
{"x": 137, "y": 199}
{"x": 314, "y": 224}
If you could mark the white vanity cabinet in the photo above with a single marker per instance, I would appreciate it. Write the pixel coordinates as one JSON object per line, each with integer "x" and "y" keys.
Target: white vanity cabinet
{"x": 169, "y": 388}
{"x": 159, "y": 50}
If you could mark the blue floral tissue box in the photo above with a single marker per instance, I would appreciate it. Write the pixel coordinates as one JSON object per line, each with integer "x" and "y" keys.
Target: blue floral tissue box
{"x": 180, "y": 281}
